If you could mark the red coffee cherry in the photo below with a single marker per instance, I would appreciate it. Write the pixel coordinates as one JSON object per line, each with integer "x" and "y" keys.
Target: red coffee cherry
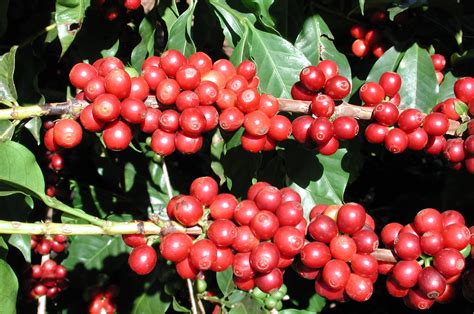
{"x": 342, "y": 247}
{"x": 153, "y": 76}
{"x": 163, "y": 143}
{"x": 451, "y": 217}
{"x": 375, "y": 133}
{"x": 289, "y": 213}
{"x": 407, "y": 246}
{"x": 350, "y": 218}
{"x": 253, "y": 143}
{"x": 390, "y": 82}
{"x": 207, "y": 92}
{"x": 301, "y": 127}
{"x": 245, "y": 240}
{"x": 454, "y": 150}
{"x": 269, "y": 282}
{"x": 241, "y": 266}
{"x": 366, "y": 241}
{"x": 171, "y": 60}
{"x": 225, "y": 67}
{"x": 132, "y": 4}
{"x": 359, "y": 48}
{"x": 328, "y": 148}
{"x": 49, "y": 139}
{"x": 231, "y": 119}
{"x": 81, "y": 74}
{"x": 386, "y": 113}
{"x": 322, "y": 288}
{"x": 222, "y": 232}
{"x": 396, "y": 141}
{"x": 371, "y": 93}
{"x": 322, "y": 106}
{"x": 312, "y": 78}
{"x": 223, "y": 206}
{"x": 215, "y": 77}
{"x": 243, "y": 284}
{"x": 188, "y": 77}
{"x": 406, "y": 273}
{"x": 187, "y": 99}
{"x": 225, "y": 257}
{"x": 289, "y": 195}
{"x": 237, "y": 84}
{"x": 428, "y": 219}
{"x": 280, "y": 128}
{"x": 436, "y": 124}
{"x": 394, "y": 289}
{"x": 117, "y": 135}
{"x": 464, "y": 89}
{"x": 323, "y": 229}
{"x": 118, "y": 83}
{"x": 186, "y": 143}
{"x": 186, "y": 269}
{"x": 176, "y": 246}
{"x": 211, "y": 115}
{"x": 345, "y": 128}
{"x": 456, "y": 236}
{"x": 449, "y": 262}
{"x": 142, "y": 260}
{"x": 315, "y": 255}
{"x": 109, "y": 64}
{"x": 431, "y": 242}
{"x": 264, "y": 257}
{"x": 417, "y": 139}
{"x": 410, "y": 120}
{"x": 188, "y": 210}
{"x": 134, "y": 240}
{"x": 268, "y": 198}
{"x": 358, "y": 288}
{"x": 94, "y": 88}
{"x": 106, "y": 107}
{"x": 205, "y": 189}
{"x": 245, "y": 211}
{"x": 358, "y": 31}
{"x": 431, "y": 282}
{"x": 247, "y": 69}
{"x": 268, "y": 104}
{"x": 133, "y": 110}
{"x": 264, "y": 225}
{"x": 417, "y": 300}
{"x": 337, "y": 87}
{"x": 439, "y": 62}
{"x": 167, "y": 91}
{"x": 336, "y": 274}
{"x": 202, "y": 254}
{"x": 192, "y": 121}
{"x": 257, "y": 123}
{"x": 299, "y": 92}
{"x": 329, "y": 68}
{"x": 435, "y": 145}
{"x": 364, "y": 265}
{"x": 248, "y": 100}
{"x": 151, "y": 61}
{"x": 200, "y": 61}
{"x": 67, "y": 133}
{"x": 321, "y": 130}
{"x": 289, "y": 241}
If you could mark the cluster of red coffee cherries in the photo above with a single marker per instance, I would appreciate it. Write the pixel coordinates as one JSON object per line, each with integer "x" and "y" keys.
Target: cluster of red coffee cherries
{"x": 103, "y": 301}
{"x": 44, "y": 245}
{"x": 369, "y": 40}
{"x": 338, "y": 254}
{"x": 47, "y": 279}
{"x": 112, "y": 8}
{"x": 432, "y": 251}
{"x": 322, "y": 85}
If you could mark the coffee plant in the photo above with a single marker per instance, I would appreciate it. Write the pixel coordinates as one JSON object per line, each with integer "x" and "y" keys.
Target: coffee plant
{"x": 236, "y": 156}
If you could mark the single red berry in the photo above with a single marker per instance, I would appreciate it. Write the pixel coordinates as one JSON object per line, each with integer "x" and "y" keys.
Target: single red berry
{"x": 360, "y": 48}
{"x": 153, "y": 76}
{"x": 200, "y": 61}
{"x": 289, "y": 213}
{"x": 167, "y": 91}
{"x": 222, "y": 232}
{"x": 118, "y": 83}
{"x": 322, "y": 106}
{"x": 371, "y": 93}
{"x": 456, "y": 236}
{"x": 417, "y": 300}
{"x": 241, "y": 266}
{"x": 187, "y": 143}
{"x": 359, "y": 288}
{"x": 89, "y": 121}
{"x": 257, "y": 123}
{"x": 342, "y": 247}
{"x": 264, "y": 257}
{"x": 187, "y": 99}
{"x": 289, "y": 241}
{"x": 431, "y": 242}
{"x": 329, "y": 68}
{"x": 134, "y": 240}
{"x": 337, "y": 87}
{"x": 248, "y": 100}
{"x": 436, "y": 124}
{"x": 396, "y": 141}
{"x": 451, "y": 217}
{"x": 245, "y": 240}
{"x": 390, "y": 82}
{"x": 67, "y": 133}
{"x": 280, "y": 128}
{"x": 253, "y": 143}
{"x": 264, "y": 225}
{"x": 163, "y": 143}
{"x": 299, "y": 92}
{"x": 431, "y": 282}
{"x": 428, "y": 219}
{"x": 301, "y": 127}
{"x": 435, "y": 145}
{"x": 385, "y": 113}
{"x": 345, "y": 128}
{"x": 94, "y": 88}
{"x": 117, "y": 135}
{"x": 323, "y": 229}
{"x": 312, "y": 78}
{"x": 417, "y": 139}
{"x": 171, "y": 61}
{"x": 225, "y": 67}
{"x": 350, "y": 218}
{"x": 215, "y": 77}
{"x": 237, "y": 84}
{"x": 407, "y": 246}
{"x": 192, "y": 121}
{"x": 223, "y": 206}
{"x": 188, "y": 77}
{"x": 109, "y": 64}
{"x": 142, "y": 260}
{"x": 81, "y": 74}
{"x": 336, "y": 274}
{"x": 269, "y": 282}
{"x": 366, "y": 240}
{"x": 176, "y": 246}
{"x": 321, "y": 130}
{"x": 133, "y": 110}
{"x": 186, "y": 269}
{"x": 245, "y": 211}
{"x": 224, "y": 259}
{"x": 106, "y": 107}
{"x": 268, "y": 104}
{"x": 406, "y": 273}
{"x": 454, "y": 150}
{"x": 247, "y": 69}
{"x": 203, "y": 253}
{"x": 375, "y": 133}
{"x": 188, "y": 210}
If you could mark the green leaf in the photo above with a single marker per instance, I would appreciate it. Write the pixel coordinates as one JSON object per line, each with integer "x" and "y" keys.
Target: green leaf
{"x": 129, "y": 174}
{"x": 461, "y": 129}
{"x": 168, "y": 12}
{"x": 460, "y": 108}
{"x": 92, "y": 251}
{"x": 19, "y": 169}
{"x": 34, "y": 126}
{"x": 3, "y": 248}
{"x": 419, "y": 85}
{"x": 241, "y": 51}
{"x": 7, "y": 85}
{"x": 309, "y": 39}
{"x": 316, "y": 303}
{"x": 179, "y": 308}
{"x": 248, "y": 305}
{"x": 362, "y": 5}
{"x": 69, "y": 17}
{"x": 7, "y": 129}
{"x": 278, "y": 62}
{"x": 323, "y": 179}
{"x": 152, "y": 300}
{"x": 8, "y": 289}
{"x": 225, "y": 281}
{"x": 233, "y": 22}
{"x": 388, "y": 62}
{"x": 180, "y": 36}
{"x": 146, "y": 46}
{"x": 217, "y": 148}
{"x": 446, "y": 89}
{"x": 3, "y": 16}
{"x": 262, "y": 10}
{"x": 112, "y": 51}
{"x": 23, "y": 243}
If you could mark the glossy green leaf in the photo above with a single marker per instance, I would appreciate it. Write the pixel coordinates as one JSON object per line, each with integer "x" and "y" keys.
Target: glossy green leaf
{"x": 217, "y": 148}
{"x": 241, "y": 51}
{"x": 261, "y": 9}
{"x": 419, "y": 85}
{"x": 179, "y": 308}
{"x": 3, "y": 16}
{"x": 233, "y": 22}
{"x": 92, "y": 251}
{"x": 23, "y": 243}
{"x": 152, "y": 300}
{"x": 69, "y": 17}
{"x": 34, "y": 126}
{"x": 146, "y": 46}
{"x": 225, "y": 281}
{"x": 316, "y": 303}
{"x": 248, "y": 305}
{"x": 8, "y": 289}
{"x": 278, "y": 62}
{"x": 112, "y": 51}
{"x": 309, "y": 39}
{"x": 7, "y": 85}
{"x": 446, "y": 89}
{"x": 19, "y": 169}
{"x": 168, "y": 12}
{"x": 362, "y": 5}
{"x": 388, "y": 62}
{"x": 180, "y": 36}
{"x": 7, "y": 129}
{"x": 3, "y": 248}
{"x": 129, "y": 174}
